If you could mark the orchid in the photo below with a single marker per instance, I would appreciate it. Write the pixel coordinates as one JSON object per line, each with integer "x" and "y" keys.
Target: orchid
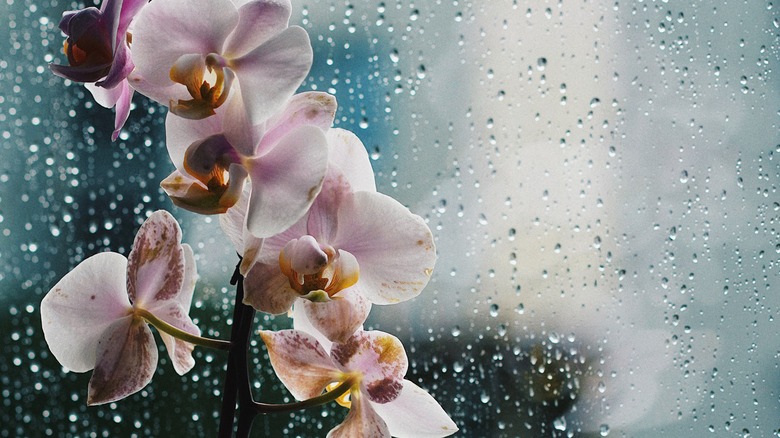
{"x": 95, "y": 317}
{"x": 296, "y": 198}
{"x": 372, "y": 364}
{"x": 354, "y": 246}
{"x": 189, "y": 52}
{"x": 98, "y": 53}
{"x": 344, "y": 150}
{"x": 285, "y": 161}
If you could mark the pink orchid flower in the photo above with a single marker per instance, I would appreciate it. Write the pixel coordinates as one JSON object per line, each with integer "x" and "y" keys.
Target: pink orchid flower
{"x": 284, "y": 159}
{"x": 351, "y": 249}
{"x": 95, "y": 317}
{"x": 344, "y": 150}
{"x": 381, "y": 402}
{"x": 98, "y": 53}
{"x": 189, "y": 52}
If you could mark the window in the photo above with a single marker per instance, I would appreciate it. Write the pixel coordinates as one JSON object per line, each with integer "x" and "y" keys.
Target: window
{"x": 601, "y": 179}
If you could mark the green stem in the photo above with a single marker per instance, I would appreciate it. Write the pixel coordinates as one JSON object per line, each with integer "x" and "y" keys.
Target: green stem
{"x": 341, "y": 389}
{"x": 177, "y": 333}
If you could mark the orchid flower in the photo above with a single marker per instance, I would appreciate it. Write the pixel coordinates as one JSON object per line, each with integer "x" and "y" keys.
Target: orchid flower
{"x": 351, "y": 247}
{"x": 98, "y": 53}
{"x": 344, "y": 149}
{"x": 285, "y": 160}
{"x": 189, "y": 53}
{"x": 373, "y": 364}
{"x": 95, "y": 317}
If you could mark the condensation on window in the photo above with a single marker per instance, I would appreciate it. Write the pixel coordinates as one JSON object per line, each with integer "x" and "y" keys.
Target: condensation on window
{"x": 601, "y": 179}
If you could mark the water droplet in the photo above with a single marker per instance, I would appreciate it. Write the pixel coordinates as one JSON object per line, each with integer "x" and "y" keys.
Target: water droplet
{"x": 604, "y": 430}
{"x": 559, "y": 423}
{"x": 541, "y": 63}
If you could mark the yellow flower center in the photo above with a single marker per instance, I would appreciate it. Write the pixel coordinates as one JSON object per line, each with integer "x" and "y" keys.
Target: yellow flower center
{"x": 208, "y": 81}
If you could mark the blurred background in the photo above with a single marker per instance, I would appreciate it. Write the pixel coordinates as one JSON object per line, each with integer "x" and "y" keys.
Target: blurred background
{"x": 601, "y": 178}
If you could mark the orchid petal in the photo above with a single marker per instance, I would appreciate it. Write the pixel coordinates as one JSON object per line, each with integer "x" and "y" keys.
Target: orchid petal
{"x": 252, "y": 248}
{"x": 159, "y": 92}
{"x": 339, "y": 318}
{"x": 258, "y": 22}
{"x": 121, "y": 66}
{"x": 394, "y": 246}
{"x": 346, "y": 272}
{"x": 236, "y": 126}
{"x": 272, "y": 246}
{"x": 415, "y": 414}
{"x": 270, "y": 74}
{"x": 84, "y": 74}
{"x": 155, "y": 268}
{"x": 300, "y": 362}
{"x": 164, "y": 31}
{"x": 119, "y": 98}
{"x": 110, "y": 17}
{"x": 105, "y": 97}
{"x": 122, "y": 108}
{"x": 181, "y": 133}
{"x": 233, "y": 223}
{"x": 310, "y": 108}
{"x": 379, "y": 357}
{"x": 130, "y": 9}
{"x": 302, "y": 323}
{"x": 322, "y": 222}
{"x": 126, "y": 360}
{"x": 362, "y": 421}
{"x": 190, "y": 278}
{"x": 347, "y": 153}
{"x": 179, "y": 351}
{"x": 286, "y": 181}
{"x": 81, "y": 307}
{"x": 267, "y": 290}
{"x": 175, "y": 313}
{"x": 188, "y": 193}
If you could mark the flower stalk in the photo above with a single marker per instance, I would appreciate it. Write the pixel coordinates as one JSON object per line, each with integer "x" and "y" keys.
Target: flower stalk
{"x": 163, "y": 326}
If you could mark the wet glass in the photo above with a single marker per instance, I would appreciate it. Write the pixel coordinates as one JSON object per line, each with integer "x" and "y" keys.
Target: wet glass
{"x": 601, "y": 179}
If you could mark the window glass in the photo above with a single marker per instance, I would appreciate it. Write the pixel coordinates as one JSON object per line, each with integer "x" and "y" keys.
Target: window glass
{"x": 601, "y": 179}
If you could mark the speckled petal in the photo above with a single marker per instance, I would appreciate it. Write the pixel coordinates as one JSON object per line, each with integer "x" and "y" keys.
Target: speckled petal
{"x": 381, "y": 359}
{"x": 267, "y": 290}
{"x": 361, "y": 422}
{"x": 155, "y": 269}
{"x": 300, "y": 362}
{"x": 126, "y": 360}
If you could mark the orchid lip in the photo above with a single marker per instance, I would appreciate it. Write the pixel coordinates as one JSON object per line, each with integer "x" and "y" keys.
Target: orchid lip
{"x": 313, "y": 267}
{"x": 208, "y": 81}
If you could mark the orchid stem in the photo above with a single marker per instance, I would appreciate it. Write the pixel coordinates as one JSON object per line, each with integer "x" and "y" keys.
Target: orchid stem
{"x": 341, "y": 389}
{"x": 230, "y": 389}
{"x": 177, "y": 333}
{"x": 237, "y": 391}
